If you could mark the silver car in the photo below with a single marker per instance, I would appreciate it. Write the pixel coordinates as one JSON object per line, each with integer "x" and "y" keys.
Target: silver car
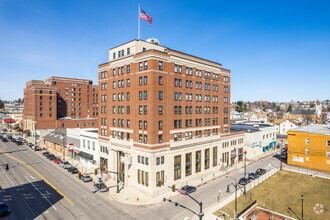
{"x": 66, "y": 165}
{"x": 86, "y": 178}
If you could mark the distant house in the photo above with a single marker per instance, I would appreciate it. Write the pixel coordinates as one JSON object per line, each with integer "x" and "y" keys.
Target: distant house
{"x": 283, "y": 125}
{"x": 256, "y": 117}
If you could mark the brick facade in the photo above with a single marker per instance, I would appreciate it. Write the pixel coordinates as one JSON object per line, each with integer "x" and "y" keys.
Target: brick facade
{"x": 60, "y": 102}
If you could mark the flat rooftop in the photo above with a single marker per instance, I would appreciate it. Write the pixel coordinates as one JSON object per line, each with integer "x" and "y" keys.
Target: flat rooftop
{"x": 314, "y": 129}
{"x": 248, "y": 128}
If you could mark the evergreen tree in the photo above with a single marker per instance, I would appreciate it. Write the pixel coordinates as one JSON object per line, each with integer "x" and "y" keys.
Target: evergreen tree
{"x": 289, "y": 109}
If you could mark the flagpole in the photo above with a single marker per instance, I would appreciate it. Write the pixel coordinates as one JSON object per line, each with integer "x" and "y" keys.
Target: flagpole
{"x": 139, "y": 22}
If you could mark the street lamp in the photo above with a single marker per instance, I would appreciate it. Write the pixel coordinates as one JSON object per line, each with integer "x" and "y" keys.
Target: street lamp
{"x": 228, "y": 191}
{"x": 302, "y": 207}
{"x": 245, "y": 171}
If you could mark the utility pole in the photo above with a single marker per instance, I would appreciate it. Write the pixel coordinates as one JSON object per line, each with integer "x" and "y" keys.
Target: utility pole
{"x": 245, "y": 172}
{"x": 302, "y": 207}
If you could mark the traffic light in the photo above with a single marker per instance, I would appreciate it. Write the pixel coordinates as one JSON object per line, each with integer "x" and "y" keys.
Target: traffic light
{"x": 173, "y": 188}
{"x": 95, "y": 171}
{"x": 159, "y": 183}
{"x": 79, "y": 175}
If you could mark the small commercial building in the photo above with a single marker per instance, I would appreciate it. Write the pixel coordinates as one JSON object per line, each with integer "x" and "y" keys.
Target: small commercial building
{"x": 309, "y": 147}
{"x": 89, "y": 152}
{"x": 259, "y": 138}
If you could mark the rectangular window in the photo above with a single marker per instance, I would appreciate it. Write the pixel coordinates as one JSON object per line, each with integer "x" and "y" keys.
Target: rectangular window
{"x": 160, "y": 138}
{"x": 145, "y": 139}
{"x": 145, "y": 109}
{"x": 175, "y": 68}
{"x": 198, "y": 161}
{"x": 207, "y": 158}
{"x": 188, "y": 164}
{"x": 160, "y": 80}
{"x": 160, "y": 65}
{"x": 145, "y": 65}
{"x": 128, "y": 69}
{"x": 160, "y": 125}
{"x": 215, "y": 156}
{"x": 328, "y": 143}
{"x": 145, "y": 80}
{"x": 160, "y": 110}
{"x": 140, "y": 110}
{"x": 180, "y": 69}
{"x": 307, "y": 141}
{"x": 140, "y": 66}
{"x": 177, "y": 167}
{"x": 160, "y": 95}
{"x": 128, "y": 51}
{"x": 145, "y": 95}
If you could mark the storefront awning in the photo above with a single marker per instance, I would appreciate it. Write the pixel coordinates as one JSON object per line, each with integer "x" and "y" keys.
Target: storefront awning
{"x": 9, "y": 120}
{"x": 86, "y": 155}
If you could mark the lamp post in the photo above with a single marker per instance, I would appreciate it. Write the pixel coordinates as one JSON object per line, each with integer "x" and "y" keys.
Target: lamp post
{"x": 228, "y": 191}
{"x": 245, "y": 171}
{"x": 302, "y": 207}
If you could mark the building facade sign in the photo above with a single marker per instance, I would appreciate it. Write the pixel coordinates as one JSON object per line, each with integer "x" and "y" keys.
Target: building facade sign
{"x": 298, "y": 159}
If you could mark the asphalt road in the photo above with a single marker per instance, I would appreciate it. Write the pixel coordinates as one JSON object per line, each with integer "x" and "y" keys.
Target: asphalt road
{"x": 30, "y": 195}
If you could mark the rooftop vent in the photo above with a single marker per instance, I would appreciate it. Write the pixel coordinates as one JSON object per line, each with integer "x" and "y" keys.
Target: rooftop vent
{"x": 153, "y": 41}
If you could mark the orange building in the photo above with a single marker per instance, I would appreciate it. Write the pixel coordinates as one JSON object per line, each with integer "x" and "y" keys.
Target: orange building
{"x": 309, "y": 147}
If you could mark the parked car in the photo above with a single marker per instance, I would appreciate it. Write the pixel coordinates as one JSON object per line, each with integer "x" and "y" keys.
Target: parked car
{"x": 23, "y": 140}
{"x": 5, "y": 130}
{"x": 101, "y": 187}
{"x": 57, "y": 160}
{"x": 29, "y": 144}
{"x": 4, "y": 140}
{"x": 187, "y": 190}
{"x": 243, "y": 181}
{"x": 73, "y": 170}
{"x": 4, "y": 209}
{"x": 2, "y": 132}
{"x": 1, "y": 136}
{"x": 61, "y": 163}
{"x": 66, "y": 165}
{"x": 51, "y": 157}
{"x": 284, "y": 155}
{"x": 260, "y": 171}
{"x": 45, "y": 153}
{"x": 36, "y": 147}
{"x": 10, "y": 137}
{"x": 86, "y": 178}
{"x": 18, "y": 143}
{"x": 253, "y": 176}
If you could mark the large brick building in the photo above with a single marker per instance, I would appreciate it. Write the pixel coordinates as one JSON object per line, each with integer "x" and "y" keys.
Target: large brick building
{"x": 166, "y": 113}
{"x": 60, "y": 102}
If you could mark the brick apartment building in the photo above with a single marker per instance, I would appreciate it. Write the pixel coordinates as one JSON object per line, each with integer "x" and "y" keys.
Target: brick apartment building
{"x": 60, "y": 102}
{"x": 166, "y": 114}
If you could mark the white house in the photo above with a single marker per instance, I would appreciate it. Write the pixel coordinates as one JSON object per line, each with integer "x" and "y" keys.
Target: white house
{"x": 283, "y": 125}
{"x": 256, "y": 117}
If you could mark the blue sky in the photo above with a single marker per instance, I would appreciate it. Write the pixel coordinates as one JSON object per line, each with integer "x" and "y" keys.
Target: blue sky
{"x": 276, "y": 50}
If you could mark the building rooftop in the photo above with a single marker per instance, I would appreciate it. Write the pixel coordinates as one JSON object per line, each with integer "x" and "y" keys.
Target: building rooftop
{"x": 314, "y": 129}
{"x": 249, "y": 128}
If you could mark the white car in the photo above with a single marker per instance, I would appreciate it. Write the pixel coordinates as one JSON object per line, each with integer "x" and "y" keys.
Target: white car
{"x": 2, "y": 132}
{"x": 66, "y": 165}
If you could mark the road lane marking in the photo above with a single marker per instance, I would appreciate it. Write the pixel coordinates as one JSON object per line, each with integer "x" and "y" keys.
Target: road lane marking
{"x": 41, "y": 193}
{"x": 17, "y": 191}
{"x": 39, "y": 175}
{"x": 32, "y": 177}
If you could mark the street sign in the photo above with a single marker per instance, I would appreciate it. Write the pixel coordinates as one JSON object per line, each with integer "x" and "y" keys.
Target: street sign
{"x": 100, "y": 179}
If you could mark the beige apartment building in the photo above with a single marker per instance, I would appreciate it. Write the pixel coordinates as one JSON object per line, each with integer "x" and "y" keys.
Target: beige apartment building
{"x": 166, "y": 114}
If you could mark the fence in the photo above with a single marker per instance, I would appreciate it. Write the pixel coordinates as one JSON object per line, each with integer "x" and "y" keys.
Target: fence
{"x": 307, "y": 171}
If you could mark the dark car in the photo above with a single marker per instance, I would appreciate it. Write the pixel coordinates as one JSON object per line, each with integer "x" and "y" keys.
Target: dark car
{"x": 19, "y": 143}
{"x": 10, "y": 137}
{"x": 101, "y": 187}
{"x": 260, "y": 171}
{"x": 4, "y": 140}
{"x": 4, "y": 209}
{"x": 73, "y": 170}
{"x": 284, "y": 155}
{"x": 51, "y": 157}
{"x": 243, "y": 181}
{"x": 86, "y": 178}
{"x": 1, "y": 136}
{"x": 45, "y": 154}
{"x": 253, "y": 176}
{"x": 5, "y": 130}
{"x": 187, "y": 190}
{"x": 29, "y": 144}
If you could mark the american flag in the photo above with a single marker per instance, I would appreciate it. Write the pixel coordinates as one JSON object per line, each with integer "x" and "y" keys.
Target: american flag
{"x": 146, "y": 17}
